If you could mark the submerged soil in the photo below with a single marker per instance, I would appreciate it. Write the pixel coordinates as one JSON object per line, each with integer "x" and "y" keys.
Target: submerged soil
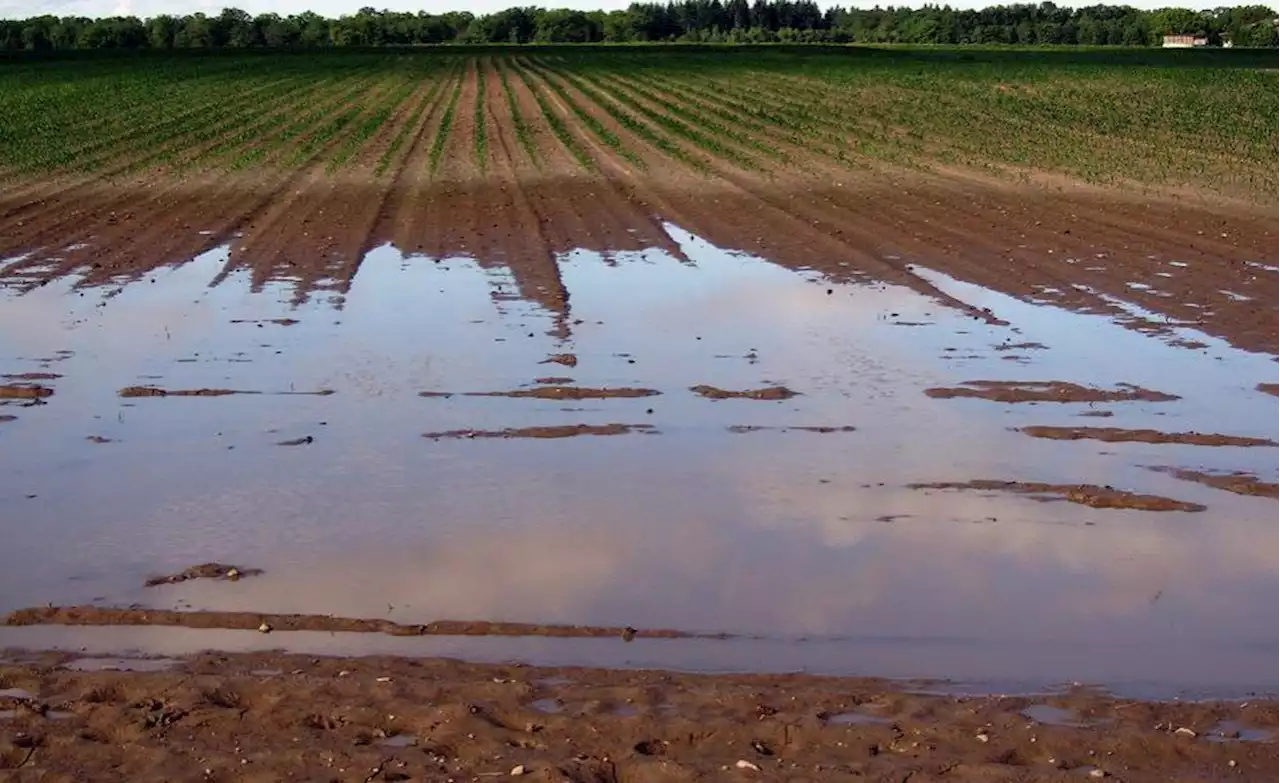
{"x": 1238, "y": 482}
{"x": 551, "y": 431}
{"x": 271, "y": 716}
{"x": 1047, "y": 391}
{"x": 1120, "y": 435}
{"x": 766, "y": 393}
{"x": 1090, "y": 495}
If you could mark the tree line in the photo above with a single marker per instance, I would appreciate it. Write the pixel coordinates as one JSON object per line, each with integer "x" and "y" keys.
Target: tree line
{"x": 697, "y": 21}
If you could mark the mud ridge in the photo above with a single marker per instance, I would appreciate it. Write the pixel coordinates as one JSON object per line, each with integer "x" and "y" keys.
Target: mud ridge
{"x": 550, "y": 431}
{"x": 1121, "y": 435}
{"x": 555, "y": 393}
{"x": 1047, "y": 391}
{"x": 1090, "y": 495}
{"x": 765, "y": 393}
{"x": 266, "y": 622}
{"x": 1240, "y": 483}
{"x": 229, "y": 573}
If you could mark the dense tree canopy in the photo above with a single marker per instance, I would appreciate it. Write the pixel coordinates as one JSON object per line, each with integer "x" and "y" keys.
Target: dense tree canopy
{"x": 730, "y": 21}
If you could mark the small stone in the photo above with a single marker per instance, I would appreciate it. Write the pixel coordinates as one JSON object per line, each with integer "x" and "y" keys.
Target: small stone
{"x": 264, "y": 628}
{"x": 518, "y": 770}
{"x": 983, "y": 738}
{"x": 744, "y": 764}
{"x": 1231, "y": 763}
{"x": 1097, "y": 773}
{"x": 628, "y": 634}
{"x": 233, "y": 574}
{"x": 1184, "y": 731}
{"x": 383, "y": 679}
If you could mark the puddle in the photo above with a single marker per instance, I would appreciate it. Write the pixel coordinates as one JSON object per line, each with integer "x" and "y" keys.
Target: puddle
{"x": 1231, "y": 731}
{"x": 856, "y": 719}
{"x": 1056, "y": 716}
{"x": 682, "y": 523}
{"x": 399, "y": 741}
{"x": 548, "y": 706}
{"x": 121, "y": 664}
{"x": 16, "y": 694}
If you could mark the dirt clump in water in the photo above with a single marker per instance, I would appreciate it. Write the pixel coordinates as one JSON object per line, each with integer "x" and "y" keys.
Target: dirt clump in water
{"x": 549, "y": 431}
{"x": 553, "y": 380}
{"x": 1021, "y": 347}
{"x": 31, "y": 376}
{"x": 204, "y": 571}
{"x": 765, "y": 393}
{"x": 570, "y": 393}
{"x": 744, "y": 428}
{"x": 1121, "y": 435}
{"x": 272, "y": 716}
{"x": 99, "y": 615}
{"x": 24, "y": 391}
{"x": 1239, "y": 482}
{"x": 1047, "y": 391}
{"x": 1091, "y": 495}
{"x": 155, "y": 391}
{"x": 565, "y": 359}
{"x": 7, "y": 417}
{"x": 1269, "y": 388}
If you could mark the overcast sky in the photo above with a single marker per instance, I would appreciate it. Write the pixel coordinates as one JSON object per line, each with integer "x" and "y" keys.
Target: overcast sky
{"x": 11, "y": 9}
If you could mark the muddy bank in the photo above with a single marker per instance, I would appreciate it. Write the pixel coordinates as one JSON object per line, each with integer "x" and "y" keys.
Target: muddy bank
{"x": 745, "y": 428}
{"x": 1120, "y": 435}
{"x": 1047, "y": 391}
{"x": 24, "y": 391}
{"x": 1085, "y": 494}
{"x": 554, "y": 393}
{"x": 204, "y": 571}
{"x": 1238, "y": 483}
{"x": 156, "y": 391}
{"x": 270, "y": 716}
{"x": 555, "y": 431}
{"x": 1269, "y": 388}
{"x": 765, "y": 393}
{"x": 95, "y": 615}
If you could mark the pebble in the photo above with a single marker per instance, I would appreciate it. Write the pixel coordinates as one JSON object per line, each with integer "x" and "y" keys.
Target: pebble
{"x": 264, "y": 628}
{"x": 983, "y": 738}
{"x": 744, "y": 764}
{"x": 1184, "y": 731}
{"x": 518, "y": 770}
{"x": 1231, "y": 763}
{"x": 1097, "y": 773}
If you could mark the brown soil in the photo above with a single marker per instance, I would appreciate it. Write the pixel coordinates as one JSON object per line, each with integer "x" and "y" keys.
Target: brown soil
{"x": 24, "y": 391}
{"x": 766, "y": 393}
{"x": 1084, "y": 494}
{"x": 553, "y": 431}
{"x": 567, "y": 359}
{"x": 1120, "y": 435}
{"x": 31, "y": 376}
{"x": 742, "y": 428}
{"x": 553, "y": 380}
{"x": 1047, "y": 391}
{"x": 204, "y": 571}
{"x": 1240, "y": 483}
{"x": 272, "y": 716}
{"x": 155, "y": 391}
{"x": 1269, "y": 388}
{"x": 556, "y": 393}
{"x": 97, "y": 615}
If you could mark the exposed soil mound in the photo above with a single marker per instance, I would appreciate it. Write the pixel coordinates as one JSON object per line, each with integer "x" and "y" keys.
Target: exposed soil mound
{"x": 1085, "y": 494}
{"x": 1240, "y": 483}
{"x": 204, "y": 571}
{"x": 1121, "y": 435}
{"x": 1048, "y": 391}
{"x": 766, "y": 393}
{"x": 553, "y": 431}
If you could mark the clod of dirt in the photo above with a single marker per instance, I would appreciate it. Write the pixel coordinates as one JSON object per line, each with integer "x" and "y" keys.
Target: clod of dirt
{"x": 554, "y": 431}
{"x": 1090, "y": 495}
{"x": 155, "y": 391}
{"x": 204, "y": 571}
{"x": 1048, "y": 391}
{"x": 1021, "y": 347}
{"x": 31, "y": 376}
{"x": 553, "y": 379}
{"x": 1120, "y": 435}
{"x": 297, "y": 441}
{"x": 766, "y": 393}
{"x": 7, "y": 417}
{"x": 569, "y": 393}
{"x": 566, "y": 359}
{"x": 742, "y": 428}
{"x": 1269, "y": 388}
{"x": 1239, "y": 482}
{"x": 98, "y": 439}
{"x": 24, "y": 391}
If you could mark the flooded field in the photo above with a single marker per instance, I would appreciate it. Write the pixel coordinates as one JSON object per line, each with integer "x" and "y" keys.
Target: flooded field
{"x": 748, "y": 465}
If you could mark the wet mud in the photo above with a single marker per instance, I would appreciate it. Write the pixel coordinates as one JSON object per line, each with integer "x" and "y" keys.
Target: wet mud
{"x": 1084, "y": 494}
{"x": 765, "y": 393}
{"x": 204, "y": 571}
{"x": 555, "y": 431}
{"x": 155, "y": 391}
{"x": 24, "y": 391}
{"x": 823, "y": 430}
{"x": 1120, "y": 435}
{"x": 267, "y": 622}
{"x": 270, "y": 715}
{"x": 1047, "y": 391}
{"x": 1239, "y": 483}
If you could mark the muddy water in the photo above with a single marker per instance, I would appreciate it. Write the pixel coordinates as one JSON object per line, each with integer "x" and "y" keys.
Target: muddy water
{"x": 738, "y": 515}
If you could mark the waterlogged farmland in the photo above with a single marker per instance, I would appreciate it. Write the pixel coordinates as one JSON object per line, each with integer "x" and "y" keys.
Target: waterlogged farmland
{"x": 947, "y": 363}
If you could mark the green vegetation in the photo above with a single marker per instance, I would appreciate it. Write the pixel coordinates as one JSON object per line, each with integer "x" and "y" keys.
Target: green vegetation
{"x": 1204, "y": 119}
